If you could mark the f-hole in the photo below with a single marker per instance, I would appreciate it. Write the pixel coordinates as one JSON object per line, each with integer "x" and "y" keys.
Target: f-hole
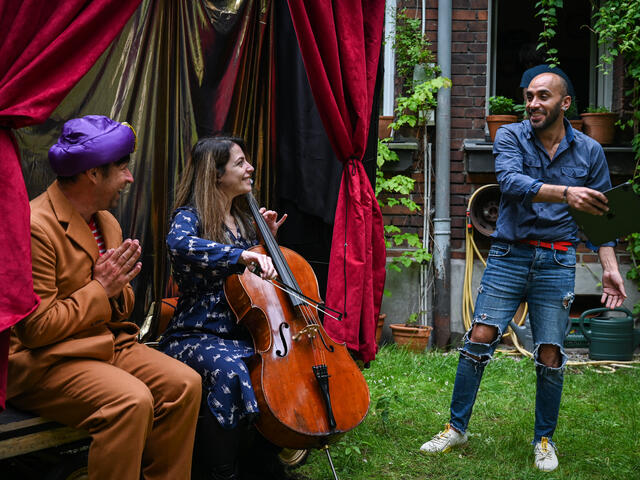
{"x": 280, "y": 353}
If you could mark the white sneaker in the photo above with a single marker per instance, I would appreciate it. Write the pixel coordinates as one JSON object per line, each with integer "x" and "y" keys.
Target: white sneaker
{"x": 546, "y": 458}
{"x": 444, "y": 441}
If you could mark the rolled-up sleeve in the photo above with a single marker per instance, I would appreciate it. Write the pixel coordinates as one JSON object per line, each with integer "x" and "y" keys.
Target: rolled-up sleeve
{"x": 514, "y": 183}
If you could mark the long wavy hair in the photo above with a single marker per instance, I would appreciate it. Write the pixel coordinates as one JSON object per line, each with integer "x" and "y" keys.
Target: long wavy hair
{"x": 198, "y": 187}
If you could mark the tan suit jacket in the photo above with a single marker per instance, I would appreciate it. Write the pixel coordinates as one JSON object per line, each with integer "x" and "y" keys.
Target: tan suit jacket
{"x": 75, "y": 317}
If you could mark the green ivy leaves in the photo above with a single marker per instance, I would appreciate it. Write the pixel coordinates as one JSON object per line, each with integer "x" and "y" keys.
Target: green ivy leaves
{"x": 547, "y": 11}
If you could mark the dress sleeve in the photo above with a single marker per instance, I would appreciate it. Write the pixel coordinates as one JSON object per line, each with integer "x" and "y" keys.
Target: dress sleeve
{"x": 186, "y": 246}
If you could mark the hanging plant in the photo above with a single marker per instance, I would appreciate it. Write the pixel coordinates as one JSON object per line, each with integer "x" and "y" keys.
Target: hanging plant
{"x": 548, "y": 14}
{"x": 397, "y": 190}
{"x": 411, "y": 48}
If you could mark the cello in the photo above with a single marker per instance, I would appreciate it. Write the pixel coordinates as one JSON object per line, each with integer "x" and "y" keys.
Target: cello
{"x": 310, "y": 392}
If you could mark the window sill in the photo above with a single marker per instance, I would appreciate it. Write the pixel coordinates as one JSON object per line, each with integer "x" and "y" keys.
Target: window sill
{"x": 479, "y": 157}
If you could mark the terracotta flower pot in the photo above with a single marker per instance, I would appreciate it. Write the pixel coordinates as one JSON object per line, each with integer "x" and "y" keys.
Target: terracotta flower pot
{"x": 380, "y": 326}
{"x": 384, "y": 130}
{"x": 496, "y": 121}
{"x": 600, "y": 126}
{"x": 414, "y": 337}
{"x": 576, "y": 124}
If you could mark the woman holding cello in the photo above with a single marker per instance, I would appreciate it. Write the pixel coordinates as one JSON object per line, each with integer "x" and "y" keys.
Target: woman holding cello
{"x": 211, "y": 231}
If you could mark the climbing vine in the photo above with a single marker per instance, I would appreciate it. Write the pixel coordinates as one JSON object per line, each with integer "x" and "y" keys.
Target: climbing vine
{"x": 547, "y": 11}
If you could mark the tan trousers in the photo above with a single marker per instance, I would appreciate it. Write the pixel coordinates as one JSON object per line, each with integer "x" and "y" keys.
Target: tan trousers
{"x": 141, "y": 411}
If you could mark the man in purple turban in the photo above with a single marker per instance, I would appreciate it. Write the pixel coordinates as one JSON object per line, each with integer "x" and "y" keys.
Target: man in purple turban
{"x": 76, "y": 359}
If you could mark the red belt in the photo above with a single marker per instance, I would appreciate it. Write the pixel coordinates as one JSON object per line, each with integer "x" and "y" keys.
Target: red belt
{"x": 562, "y": 246}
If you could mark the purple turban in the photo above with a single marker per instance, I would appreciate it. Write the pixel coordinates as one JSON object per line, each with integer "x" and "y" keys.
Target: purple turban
{"x": 89, "y": 142}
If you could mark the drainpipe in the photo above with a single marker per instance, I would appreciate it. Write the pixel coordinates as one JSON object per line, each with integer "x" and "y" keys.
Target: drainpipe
{"x": 388, "y": 89}
{"x": 442, "y": 219}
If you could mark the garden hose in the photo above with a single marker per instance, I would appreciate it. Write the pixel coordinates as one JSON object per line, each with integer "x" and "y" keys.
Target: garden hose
{"x": 471, "y": 252}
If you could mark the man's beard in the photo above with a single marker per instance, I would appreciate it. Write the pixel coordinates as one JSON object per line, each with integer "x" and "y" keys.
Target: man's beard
{"x": 550, "y": 117}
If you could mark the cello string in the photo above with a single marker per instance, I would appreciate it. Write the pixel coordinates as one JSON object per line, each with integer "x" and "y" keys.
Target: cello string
{"x": 308, "y": 317}
{"x": 303, "y": 299}
{"x": 318, "y": 353}
{"x": 288, "y": 279}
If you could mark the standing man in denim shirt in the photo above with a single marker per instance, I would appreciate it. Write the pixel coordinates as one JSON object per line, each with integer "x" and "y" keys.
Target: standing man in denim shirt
{"x": 543, "y": 167}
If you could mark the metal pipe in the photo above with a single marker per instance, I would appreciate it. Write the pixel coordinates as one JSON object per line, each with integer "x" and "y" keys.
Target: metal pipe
{"x": 425, "y": 269}
{"x": 388, "y": 86}
{"x": 442, "y": 220}
{"x": 426, "y": 205}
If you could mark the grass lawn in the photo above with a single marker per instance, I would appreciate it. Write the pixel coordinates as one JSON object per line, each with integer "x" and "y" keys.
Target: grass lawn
{"x": 598, "y": 435}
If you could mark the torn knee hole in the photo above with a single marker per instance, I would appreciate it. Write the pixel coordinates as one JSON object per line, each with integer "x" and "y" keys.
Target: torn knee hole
{"x": 549, "y": 355}
{"x": 482, "y": 332}
{"x": 567, "y": 300}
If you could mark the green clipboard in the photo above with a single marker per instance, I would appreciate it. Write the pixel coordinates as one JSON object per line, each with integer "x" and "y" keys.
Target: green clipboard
{"x": 622, "y": 218}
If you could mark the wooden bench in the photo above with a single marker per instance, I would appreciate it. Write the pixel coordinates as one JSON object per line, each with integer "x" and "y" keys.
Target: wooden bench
{"x": 22, "y": 433}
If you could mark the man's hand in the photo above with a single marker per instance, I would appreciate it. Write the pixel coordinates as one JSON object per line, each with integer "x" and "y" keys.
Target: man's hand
{"x": 270, "y": 217}
{"x": 587, "y": 200}
{"x": 613, "y": 293}
{"x": 118, "y": 266}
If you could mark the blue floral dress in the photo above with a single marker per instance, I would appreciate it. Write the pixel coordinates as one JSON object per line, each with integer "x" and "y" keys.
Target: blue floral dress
{"x": 203, "y": 332}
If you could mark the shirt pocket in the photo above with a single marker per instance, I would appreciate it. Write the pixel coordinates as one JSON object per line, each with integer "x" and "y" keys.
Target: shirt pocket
{"x": 574, "y": 175}
{"x": 532, "y": 166}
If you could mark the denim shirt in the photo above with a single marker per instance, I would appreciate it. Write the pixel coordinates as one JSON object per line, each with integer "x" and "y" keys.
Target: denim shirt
{"x": 522, "y": 165}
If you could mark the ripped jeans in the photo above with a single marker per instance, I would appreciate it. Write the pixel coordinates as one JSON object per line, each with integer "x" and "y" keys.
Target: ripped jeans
{"x": 516, "y": 273}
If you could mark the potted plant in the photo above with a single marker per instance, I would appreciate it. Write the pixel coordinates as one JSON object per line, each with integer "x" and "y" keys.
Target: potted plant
{"x": 573, "y": 116}
{"x": 411, "y": 335}
{"x": 599, "y": 124}
{"x": 411, "y": 48}
{"x": 380, "y": 326}
{"x": 415, "y": 65}
{"x": 384, "y": 126}
{"x": 391, "y": 191}
{"x": 502, "y": 110}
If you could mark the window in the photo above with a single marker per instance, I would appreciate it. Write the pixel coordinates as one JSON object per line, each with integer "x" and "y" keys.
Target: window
{"x": 514, "y": 36}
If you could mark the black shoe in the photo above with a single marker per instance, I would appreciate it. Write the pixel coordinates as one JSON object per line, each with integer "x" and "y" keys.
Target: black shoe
{"x": 224, "y": 472}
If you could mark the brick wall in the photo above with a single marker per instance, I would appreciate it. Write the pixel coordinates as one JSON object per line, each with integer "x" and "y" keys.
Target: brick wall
{"x": 468, "y": 75}
{"x": 469, "y": 78}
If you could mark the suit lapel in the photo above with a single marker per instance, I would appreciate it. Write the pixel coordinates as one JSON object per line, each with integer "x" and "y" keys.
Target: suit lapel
{"x": 110, "y": 235}
{"x": 77, "y": 230}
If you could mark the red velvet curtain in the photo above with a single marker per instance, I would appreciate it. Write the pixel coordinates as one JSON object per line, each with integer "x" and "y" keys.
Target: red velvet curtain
{"x": 45, "y": 48}
{"x": 340, "y": 45}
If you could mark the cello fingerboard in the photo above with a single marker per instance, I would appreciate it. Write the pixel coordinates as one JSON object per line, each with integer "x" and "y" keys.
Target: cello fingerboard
{"x": 271, "y": 246}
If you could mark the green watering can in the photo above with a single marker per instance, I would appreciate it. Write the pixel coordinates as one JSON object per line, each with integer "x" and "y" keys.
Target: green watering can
{"x": 610, "y": 337}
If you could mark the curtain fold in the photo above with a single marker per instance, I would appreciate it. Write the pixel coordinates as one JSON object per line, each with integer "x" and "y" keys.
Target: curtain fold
{"x": 45, "y": 48}
{"x": 177, "y": 71}
{"x": 340, "y": 46}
